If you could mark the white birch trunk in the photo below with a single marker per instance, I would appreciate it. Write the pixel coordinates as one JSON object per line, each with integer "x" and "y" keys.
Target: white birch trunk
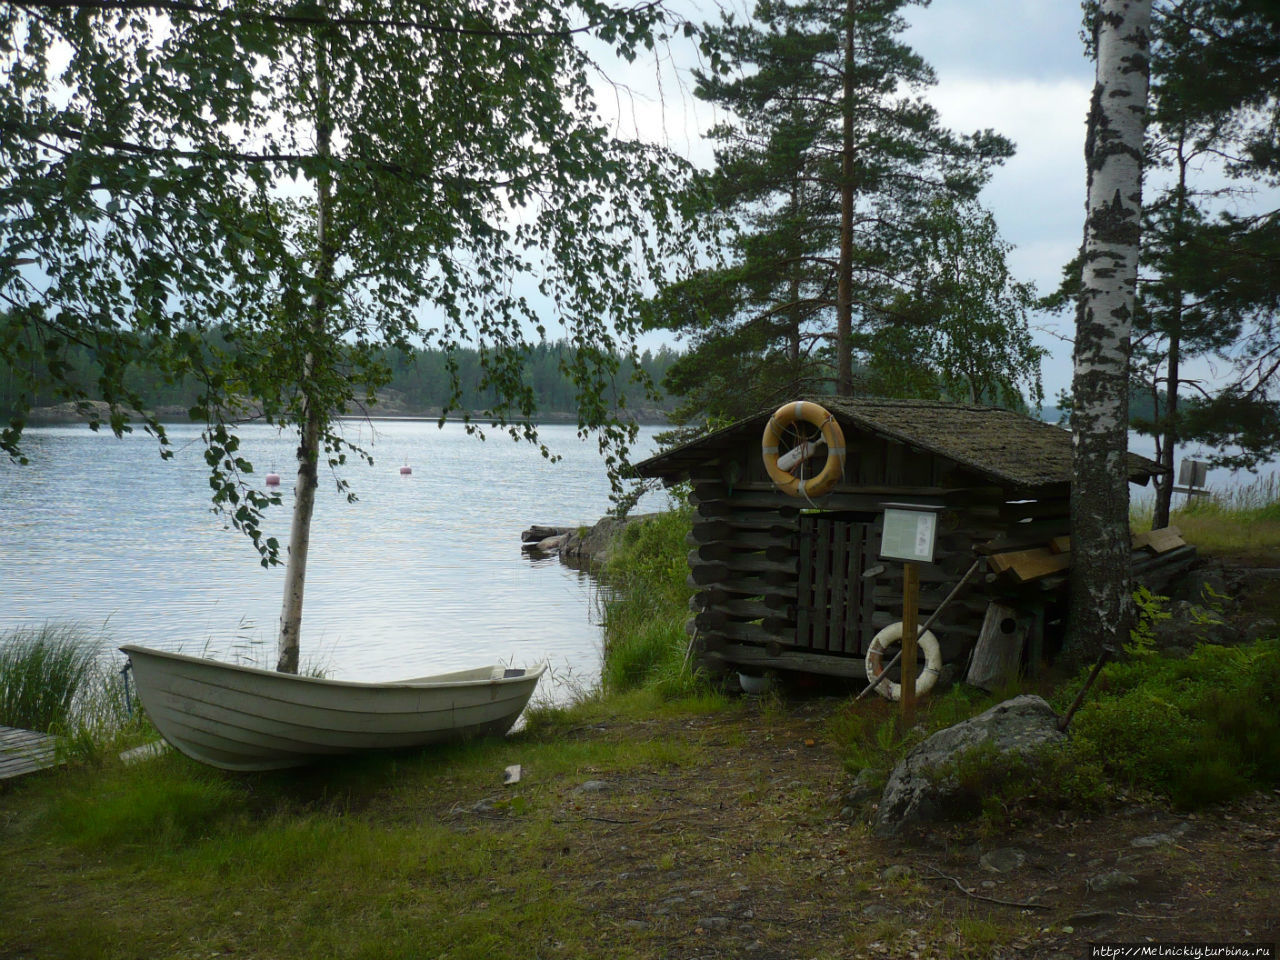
{"x": 295, "y": 575}
{"x": 1101, "y": 600}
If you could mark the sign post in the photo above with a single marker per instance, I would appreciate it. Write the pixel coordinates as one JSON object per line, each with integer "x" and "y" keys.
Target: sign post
{"x": 910, "y": 603}
{"x": 910, "y": 532}
{"x": 1192, "y": 478}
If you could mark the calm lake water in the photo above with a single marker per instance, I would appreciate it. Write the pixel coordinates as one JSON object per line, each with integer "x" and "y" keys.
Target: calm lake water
{"x": 423, "y": 573}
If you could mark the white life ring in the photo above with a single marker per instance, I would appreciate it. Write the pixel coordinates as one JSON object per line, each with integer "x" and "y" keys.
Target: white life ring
{"x": 875, "y": 661}
{"x": 832, "y": 435}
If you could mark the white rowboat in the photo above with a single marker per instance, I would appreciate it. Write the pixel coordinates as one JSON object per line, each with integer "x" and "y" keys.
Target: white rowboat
{"x": 242, "y": 718}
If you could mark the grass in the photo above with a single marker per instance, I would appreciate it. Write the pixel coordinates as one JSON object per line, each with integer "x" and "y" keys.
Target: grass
{"x": 44, "y": 675}
{"x": 646, "y": 607}
{"x": 376, "y": 857}
{"x": 1243, "y": 521}
{"x": 428, "y": 855}
{"x": 52, "y": 680}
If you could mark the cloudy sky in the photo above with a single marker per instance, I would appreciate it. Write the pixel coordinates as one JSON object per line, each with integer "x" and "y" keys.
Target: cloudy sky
{"x": 1017, "y": 66}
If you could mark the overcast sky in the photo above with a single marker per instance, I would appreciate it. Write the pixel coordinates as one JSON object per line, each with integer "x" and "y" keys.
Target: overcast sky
{"x": 1019, "y": 66}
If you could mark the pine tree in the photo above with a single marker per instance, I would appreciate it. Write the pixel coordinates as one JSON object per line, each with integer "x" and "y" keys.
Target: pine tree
{"x": 830, "y": 166}
{"x": 1209, "y": 287}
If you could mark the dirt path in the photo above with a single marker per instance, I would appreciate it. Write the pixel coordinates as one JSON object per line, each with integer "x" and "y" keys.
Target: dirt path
{"x": 744, "y": 853}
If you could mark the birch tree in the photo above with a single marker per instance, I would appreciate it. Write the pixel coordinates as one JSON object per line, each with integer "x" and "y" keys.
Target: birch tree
{"x": 1101, "y": 604}
{"x": 1205, "y": 359}
{"x": 315, "y": 184}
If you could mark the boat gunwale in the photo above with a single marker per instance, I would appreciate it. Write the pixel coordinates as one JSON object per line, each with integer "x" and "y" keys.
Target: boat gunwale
{"x": 415, "y": 683}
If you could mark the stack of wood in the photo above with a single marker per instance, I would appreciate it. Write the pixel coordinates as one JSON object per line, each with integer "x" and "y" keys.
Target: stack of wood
{"x": 1158, "y": 556}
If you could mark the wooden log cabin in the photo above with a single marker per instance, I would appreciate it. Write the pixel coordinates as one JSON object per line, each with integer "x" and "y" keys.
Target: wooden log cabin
{"x": 796, "y": 583}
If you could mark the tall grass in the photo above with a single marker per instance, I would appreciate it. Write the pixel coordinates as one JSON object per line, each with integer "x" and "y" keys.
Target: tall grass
{"x": 1241, "y": 521}
{"x": 43, "y": 673}
{"x": 52, "y": 680}
{"x": 645, "y": 606}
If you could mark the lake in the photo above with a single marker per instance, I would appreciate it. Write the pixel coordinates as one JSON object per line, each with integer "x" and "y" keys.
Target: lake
{"x": 423, "y": 573}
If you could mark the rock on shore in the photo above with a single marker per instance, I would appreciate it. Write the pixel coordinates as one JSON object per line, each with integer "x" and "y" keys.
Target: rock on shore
{"x": 919, "y": 789}
{"x": 577, "y": 546}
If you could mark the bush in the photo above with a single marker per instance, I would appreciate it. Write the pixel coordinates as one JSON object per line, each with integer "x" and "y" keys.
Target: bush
{"x": 998, "y": 785}
{"x": 1198, "y": 731}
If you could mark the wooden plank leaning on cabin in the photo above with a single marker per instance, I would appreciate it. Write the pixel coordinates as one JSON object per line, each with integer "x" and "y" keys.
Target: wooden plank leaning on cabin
{"x": 1158, "y": 541}
{"x": 1040, "y": 562}
{"x": 1032, "y": 564}
{"x": 997, "y": 654}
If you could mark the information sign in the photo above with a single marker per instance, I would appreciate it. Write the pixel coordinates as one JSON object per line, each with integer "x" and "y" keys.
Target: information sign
{"x": 909, "y": 532}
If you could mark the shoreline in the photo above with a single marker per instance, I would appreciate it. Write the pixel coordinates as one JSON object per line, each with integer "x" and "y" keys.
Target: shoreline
{"x": 66, "y": 414}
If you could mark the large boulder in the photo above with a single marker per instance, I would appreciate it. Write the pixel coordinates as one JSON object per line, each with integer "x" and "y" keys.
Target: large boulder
{"x": 920, "y": 789}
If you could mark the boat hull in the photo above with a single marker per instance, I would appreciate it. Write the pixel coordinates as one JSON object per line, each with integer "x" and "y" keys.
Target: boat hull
{"x": 241, "y": 718}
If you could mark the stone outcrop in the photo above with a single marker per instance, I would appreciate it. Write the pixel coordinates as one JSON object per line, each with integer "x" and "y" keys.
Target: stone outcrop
{"x": 920, "y": 789}
{"x": 577, "y": 546}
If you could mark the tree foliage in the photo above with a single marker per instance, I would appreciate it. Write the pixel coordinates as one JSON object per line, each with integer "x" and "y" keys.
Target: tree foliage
{"x": 1205, "y": 350}
{"x": 160, "y": 168}
{"x": 854, "y": 216}
{"x": 1212, "y": 284}
{"x": 418, "y": 382}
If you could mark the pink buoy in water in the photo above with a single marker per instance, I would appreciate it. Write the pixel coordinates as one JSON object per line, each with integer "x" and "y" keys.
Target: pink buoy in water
{"x": 273, "y": 479}
{"x": 406, "y": 470}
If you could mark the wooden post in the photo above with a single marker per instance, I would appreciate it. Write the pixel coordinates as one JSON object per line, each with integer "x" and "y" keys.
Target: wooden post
{"x": 910, "y": 599}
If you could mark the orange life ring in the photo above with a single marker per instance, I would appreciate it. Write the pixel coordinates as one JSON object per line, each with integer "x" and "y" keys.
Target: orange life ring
{"x": 832, "y": 435}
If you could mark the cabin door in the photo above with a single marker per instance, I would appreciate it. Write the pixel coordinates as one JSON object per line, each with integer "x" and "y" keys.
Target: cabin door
{"x": 834, "y": 602}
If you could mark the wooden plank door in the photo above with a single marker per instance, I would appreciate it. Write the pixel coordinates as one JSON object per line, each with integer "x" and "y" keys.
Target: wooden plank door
{"x": 834, "y": 602}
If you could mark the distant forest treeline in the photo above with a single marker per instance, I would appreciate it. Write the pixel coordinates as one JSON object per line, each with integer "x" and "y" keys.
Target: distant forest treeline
{"x": 420, "y": 382}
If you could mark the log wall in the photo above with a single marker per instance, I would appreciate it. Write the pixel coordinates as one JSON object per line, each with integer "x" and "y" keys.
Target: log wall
{"x": 784, "y": 582}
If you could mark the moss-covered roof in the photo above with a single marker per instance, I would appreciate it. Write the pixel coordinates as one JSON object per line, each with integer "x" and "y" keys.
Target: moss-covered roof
{"x": 1011, "y": 449}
